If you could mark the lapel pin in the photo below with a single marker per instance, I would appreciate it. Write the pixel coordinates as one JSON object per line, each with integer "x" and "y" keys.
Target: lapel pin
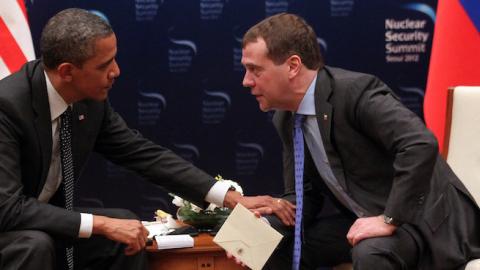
{"x": 81, "y": 117}
{"x": 325, "y": 117}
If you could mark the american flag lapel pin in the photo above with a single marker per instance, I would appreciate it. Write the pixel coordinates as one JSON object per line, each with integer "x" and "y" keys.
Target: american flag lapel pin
{"x": 81, "y": 117}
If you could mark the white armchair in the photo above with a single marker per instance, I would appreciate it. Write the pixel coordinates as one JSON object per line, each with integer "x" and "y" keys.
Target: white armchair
{"x": 461, "y": 147}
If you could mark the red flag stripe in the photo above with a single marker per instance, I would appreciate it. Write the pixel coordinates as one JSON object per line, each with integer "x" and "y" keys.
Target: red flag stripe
{"x": 10, "y": 51}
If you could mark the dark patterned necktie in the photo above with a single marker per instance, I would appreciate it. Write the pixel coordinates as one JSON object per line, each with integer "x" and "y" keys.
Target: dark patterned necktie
{"x": 67, "y": 168}
{"x": 299, "y": 164}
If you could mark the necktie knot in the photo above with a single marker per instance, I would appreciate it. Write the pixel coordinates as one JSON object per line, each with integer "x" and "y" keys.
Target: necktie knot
{"x": 66, "y": 117}
{"x": 68, "y": 111}
{"x": 299, "y": 119}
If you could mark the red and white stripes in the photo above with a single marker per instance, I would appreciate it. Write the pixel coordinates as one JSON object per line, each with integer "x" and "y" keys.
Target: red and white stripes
{"x": 16, "y": 45}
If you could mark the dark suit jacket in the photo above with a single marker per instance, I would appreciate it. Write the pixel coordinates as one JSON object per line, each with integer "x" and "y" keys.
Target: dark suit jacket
{"x": 387, "y": 161}
{"x": 26, "y": 145}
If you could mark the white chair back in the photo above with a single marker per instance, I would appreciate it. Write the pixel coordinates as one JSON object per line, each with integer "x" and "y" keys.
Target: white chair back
{"x": 462, "y": 136}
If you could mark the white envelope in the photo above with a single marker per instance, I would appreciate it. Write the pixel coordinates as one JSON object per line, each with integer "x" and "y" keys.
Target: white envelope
{"x": 248, "y": 238}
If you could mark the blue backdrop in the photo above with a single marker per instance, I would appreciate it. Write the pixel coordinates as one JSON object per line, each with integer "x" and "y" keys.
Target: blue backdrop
{"x": 180, "y": 82}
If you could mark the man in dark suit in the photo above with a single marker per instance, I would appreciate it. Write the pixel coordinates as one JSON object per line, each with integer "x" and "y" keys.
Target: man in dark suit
{"x": 376, "y": 191}
{"x": 53, "y": 113}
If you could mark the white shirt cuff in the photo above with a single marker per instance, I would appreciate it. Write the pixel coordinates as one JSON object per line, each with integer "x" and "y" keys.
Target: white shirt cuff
{"x": 86, "y": 225}
{"x": 217, "y": 193}
{"x": 264, "y": 219}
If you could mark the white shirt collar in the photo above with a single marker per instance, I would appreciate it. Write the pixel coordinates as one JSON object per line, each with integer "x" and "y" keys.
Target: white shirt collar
{"x": 57, "y": 104}
{"x": 307, "y": 106}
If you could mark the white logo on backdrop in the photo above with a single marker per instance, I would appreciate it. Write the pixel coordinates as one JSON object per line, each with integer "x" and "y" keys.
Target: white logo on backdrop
{"x": 215, "y": 106}
{"x": 181, "y": 54}
{"x": 146, "y": 10}
{"x": 322, "y": 43}
{"x": 211, "y": 9}
{"x": 100, "y": 14}
{"x": 150, "y": 106}
{"x": 254, "y": 146}
{"x": 185, "y": 42}
{"x": 247, "y": 158}
{"x": 273, "y": 7}
{"x": 422, "y": 8}
{"x": 237, "y": 49}
{"x": 187, "y": 151}
{"x": 406, "y": 39}
{"x": 341, "y": 8}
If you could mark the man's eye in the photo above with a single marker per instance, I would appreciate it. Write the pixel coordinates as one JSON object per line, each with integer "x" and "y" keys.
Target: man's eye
{"x": 254, "y": 70}
{"x": 103, "y": 67}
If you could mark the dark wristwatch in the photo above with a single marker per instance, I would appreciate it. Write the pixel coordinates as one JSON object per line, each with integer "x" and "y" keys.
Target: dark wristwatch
{"x": 391, "y": 221}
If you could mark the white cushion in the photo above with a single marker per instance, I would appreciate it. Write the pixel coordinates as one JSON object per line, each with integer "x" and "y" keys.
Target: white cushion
{"x": 464, "y": 147}
{"x": 464, "y": 144}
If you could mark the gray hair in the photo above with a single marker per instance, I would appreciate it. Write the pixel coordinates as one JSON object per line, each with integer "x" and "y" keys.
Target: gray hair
{"x": 70, "y": 36}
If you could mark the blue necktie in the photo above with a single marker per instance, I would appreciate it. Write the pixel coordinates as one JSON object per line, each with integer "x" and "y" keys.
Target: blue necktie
{"x": 67, "y": 168}
{"x": 299, "y": 163}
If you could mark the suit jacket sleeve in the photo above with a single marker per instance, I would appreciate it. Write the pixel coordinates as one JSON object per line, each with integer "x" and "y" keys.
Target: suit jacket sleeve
{"x": 18, "y": 211}
{"x": 128, "y": 148}
{"x": 390, "y": 125}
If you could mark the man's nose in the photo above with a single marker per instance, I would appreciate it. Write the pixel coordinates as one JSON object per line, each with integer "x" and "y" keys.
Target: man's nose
{"x": 115, "y": 72}
{"x": 247, "y": 80}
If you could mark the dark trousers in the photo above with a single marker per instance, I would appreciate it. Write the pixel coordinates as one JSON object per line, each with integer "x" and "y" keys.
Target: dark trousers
{"x": 325, "y": 244}
{"x": 30, "y": 249}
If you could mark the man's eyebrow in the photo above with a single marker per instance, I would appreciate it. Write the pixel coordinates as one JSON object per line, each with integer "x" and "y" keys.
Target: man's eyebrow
{"x": 250, "y": 65}
{"x": 106, "y": 63}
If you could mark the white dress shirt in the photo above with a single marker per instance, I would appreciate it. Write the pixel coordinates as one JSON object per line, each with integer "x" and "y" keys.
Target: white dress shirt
{"x": 215, "y": 195}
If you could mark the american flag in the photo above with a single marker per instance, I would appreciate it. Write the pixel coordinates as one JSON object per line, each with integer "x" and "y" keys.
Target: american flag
{"x": 16, "y": 45}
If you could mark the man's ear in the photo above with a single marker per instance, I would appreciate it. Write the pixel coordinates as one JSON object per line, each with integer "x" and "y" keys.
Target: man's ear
{"x": 65, "y": 71}
{"x": 294, "y": 63}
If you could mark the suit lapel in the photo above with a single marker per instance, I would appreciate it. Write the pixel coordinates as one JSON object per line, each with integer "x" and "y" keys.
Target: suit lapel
{"x": 42, "y": 121}
{"x": 324, "y": 111}
{"x": 286, "y": 126}
{"x": 283, "y": 122}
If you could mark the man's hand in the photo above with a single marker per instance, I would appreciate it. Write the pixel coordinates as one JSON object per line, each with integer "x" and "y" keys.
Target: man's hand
{"x": 127, "y": 231}
{"x": 364, "y": 228}
{"x": 263, "y": 205}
